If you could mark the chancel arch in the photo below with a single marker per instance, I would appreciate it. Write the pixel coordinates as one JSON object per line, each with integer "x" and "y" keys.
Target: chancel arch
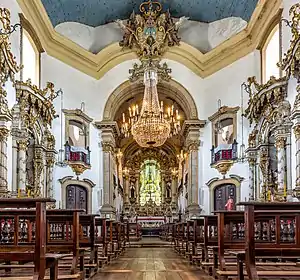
{"x": 128, "y": 162}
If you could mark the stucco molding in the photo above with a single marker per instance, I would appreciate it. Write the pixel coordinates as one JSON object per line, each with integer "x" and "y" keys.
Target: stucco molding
{"x": 172, "y": 88}
{"x": 96, "y": 65}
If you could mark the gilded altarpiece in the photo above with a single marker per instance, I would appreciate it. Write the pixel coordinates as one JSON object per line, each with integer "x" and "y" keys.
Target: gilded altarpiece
{"x": 34, "y": 145}
{"x": 269, "y": 141}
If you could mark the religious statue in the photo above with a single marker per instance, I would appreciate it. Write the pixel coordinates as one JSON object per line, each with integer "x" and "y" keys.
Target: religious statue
{"x": 230, "y": 204}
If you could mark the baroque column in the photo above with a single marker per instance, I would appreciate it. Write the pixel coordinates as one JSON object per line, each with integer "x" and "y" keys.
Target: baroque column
{"x": 193, "y": 184}
{"x": 137, "y": 187}
{"x": 281, "y": 166}
{"x": 297, "y": 135}
{"x": 163, "y": 189}
{"x": 3, "y": 161}
{"x": 126, "y": 192}
{"x": 174, "y": 191}
{"x": 22, "y": 145}
{"x": 252, "y": 163}
{"x": 108, "y": 133}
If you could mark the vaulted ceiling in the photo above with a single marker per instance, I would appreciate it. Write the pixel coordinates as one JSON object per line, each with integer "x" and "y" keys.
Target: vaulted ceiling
{"x": 99, "y": 12}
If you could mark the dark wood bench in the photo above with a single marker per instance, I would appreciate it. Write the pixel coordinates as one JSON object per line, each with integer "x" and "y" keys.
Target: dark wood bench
{"x": 12, "y": 249}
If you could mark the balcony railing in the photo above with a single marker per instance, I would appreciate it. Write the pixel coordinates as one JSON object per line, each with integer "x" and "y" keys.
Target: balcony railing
{"x": 224, "y": 152}
{"x": 77, "y": 155}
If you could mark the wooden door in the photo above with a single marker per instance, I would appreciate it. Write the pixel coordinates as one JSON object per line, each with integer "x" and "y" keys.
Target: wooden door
{"x": 76, "y": 197}
{"x": 222, "y": 194}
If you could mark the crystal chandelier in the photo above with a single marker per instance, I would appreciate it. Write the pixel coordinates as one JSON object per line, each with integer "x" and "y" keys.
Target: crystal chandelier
{"x": 151, "y": 127}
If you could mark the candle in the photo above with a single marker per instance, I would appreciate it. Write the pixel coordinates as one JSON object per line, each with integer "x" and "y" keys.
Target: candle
{"x": 161, "y": 105}
{"x": 177, "y": 114}
{"x": 129, "y": 111}
{"x": 123, "y": 118}
{"x": 284, "y": 191}
{"x": 137, "y": 109}
{"x": 169, "y": 112}
{"x": 133, "y": 109}
{"x": 172, "y": 110}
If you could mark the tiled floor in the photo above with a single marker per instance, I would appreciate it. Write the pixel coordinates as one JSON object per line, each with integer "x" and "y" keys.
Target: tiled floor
{"x": 151, "y": 264}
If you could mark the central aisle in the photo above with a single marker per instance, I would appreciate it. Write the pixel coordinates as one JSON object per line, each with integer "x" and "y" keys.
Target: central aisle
{"x": 151, "y": 264}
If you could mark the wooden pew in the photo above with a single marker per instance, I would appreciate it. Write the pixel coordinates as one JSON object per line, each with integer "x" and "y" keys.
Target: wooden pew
{"x": 101, "y": 241}
{"x": 266, "y": 238}
{"x": 62, "y": 228}
{"x": 12, "y": 248}
{"x": 279, "y": 246}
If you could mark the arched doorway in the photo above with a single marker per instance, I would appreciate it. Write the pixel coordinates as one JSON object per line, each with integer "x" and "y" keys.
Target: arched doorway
{"x": 221, "y": 195}
{"x": 76, "y": 197}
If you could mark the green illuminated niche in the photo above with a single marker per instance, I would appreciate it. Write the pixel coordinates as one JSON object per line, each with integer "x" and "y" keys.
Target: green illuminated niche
{"x": 150, "y": 190}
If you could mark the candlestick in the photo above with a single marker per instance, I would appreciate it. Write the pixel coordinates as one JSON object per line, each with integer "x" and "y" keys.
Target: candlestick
{"x": 269, "y": 195}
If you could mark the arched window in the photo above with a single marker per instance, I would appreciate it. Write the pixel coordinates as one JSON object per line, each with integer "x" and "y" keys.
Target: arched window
{"x": 31, "y": 52}
{"x": 270, "y": 54}
{"x": 150, "y": 183}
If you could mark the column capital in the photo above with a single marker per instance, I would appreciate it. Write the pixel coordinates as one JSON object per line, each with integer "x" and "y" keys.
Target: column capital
{"x": 297, "y": 131}
{"x": 23, "y": 143}
{"x": 192, "y": 145}
{"x": 280, "y": 143}
{"x": 108, "y": 146}
{"x": 3, "y": 134}
{"x": 252, "y": 161}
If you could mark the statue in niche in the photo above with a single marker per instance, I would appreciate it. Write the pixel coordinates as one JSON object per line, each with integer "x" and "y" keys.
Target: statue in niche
{"x": 273, "y": 162}
{"x": 30, "y": 164}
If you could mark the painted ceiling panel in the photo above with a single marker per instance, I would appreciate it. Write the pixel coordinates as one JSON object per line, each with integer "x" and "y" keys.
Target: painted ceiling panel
{"x": 99, "y": 12}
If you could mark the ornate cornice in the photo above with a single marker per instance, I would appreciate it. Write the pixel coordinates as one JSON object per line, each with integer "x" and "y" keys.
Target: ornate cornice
{"x": 265, "y": 97}
{"x": 96, "y": 65}
{"x": 35, "y": 103}
{"x": 78, "y": 113}
{"x": 108, "y": 126}
{"x": 222, "y": 111}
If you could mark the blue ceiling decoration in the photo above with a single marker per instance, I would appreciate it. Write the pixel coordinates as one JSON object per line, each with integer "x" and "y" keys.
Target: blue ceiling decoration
{"x": 99, "y": 12}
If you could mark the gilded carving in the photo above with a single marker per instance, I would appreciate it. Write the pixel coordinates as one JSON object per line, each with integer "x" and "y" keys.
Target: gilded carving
{"x": 280, "y": 143}
{"x": 297, "y": 132}
{"x": 3, "y": 134}
{"x": 263, "y": 99}
{"x": 252, "y": 138}
{"x": 224, "y": 166}
{"x": 151, "y": 31}
{"x": 107, "y": 147}
{"x": 291, "y": 60}
{"x": 134, "y": 162}
{"x": 193, "y": 145}
{"x": 22, "y": 144}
